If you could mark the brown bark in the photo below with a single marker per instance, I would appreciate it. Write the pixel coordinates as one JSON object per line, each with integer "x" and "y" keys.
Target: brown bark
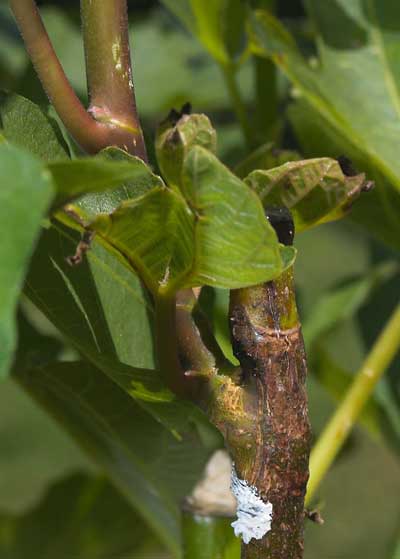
{"x": 264, "y": 413}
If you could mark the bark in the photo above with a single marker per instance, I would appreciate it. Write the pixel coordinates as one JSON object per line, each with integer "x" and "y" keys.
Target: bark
{"x": 263, "y": 413}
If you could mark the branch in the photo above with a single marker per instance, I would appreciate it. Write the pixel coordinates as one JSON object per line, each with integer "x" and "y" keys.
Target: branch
{"x": 90, "y": 134}
{"x": 345, "y": 416}
{"x": 109, "y": 70}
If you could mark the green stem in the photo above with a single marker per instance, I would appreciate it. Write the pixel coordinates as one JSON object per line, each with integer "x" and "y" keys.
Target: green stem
{"x": 196, "y": 357}
{"x": 167, "y": 344}
{"x": 109, "y": 69}
{"x": 239, "y": 107}
{"x": 343, "y": 420}
{"x": 208, "y": 537}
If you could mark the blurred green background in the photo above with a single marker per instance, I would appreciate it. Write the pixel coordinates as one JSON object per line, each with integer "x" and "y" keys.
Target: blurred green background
{"x": 360, "y": 498}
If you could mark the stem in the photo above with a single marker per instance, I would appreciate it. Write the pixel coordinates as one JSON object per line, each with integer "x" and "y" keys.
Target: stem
{"x": 263, "y": 415}
{"x": 109, "y": 70}
{"x": 90, "y": 134}
{"x": 343, "y": 420}
{"x": 86, "y": 131}
{"x": 239, "y": 107}
{"x": 208, "y": 537}
{"x": 266, "y": 98}
{"x": 167, "y": 344}
{"x": 199, "y": 353}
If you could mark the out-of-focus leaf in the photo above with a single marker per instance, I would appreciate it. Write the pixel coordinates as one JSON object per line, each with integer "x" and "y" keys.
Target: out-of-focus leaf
{"x": 337, "y": 381}
{"x": 152, "y": 467}
{"x": 218, "y": 25}
{"x": 206, "y": 536}
{"x": 96, "y": 523}
{"x": 23, "y": 123}
{"x": 314, "y": 190}
{"x": 25, "y": 193}
{"x": 265, "y": 157}
{"x": 396, "y": 553}
{"x": 111, "y": 169}
{"x": 351, "y": 96}
{"x": 344, "y": 302}
{"x": 220, "y": 238}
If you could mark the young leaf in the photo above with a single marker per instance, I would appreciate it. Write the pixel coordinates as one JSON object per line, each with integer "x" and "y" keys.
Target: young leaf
{"x": 220, "y": 237}
{"x": 25, "y": 193}
{"x": 314, "y": 190}
{"x": 351, "y": 96}
{"x": 155, "y": 232}
{"x": 145, "y": 461}
{"x": 23, "y": 123}
{"x": 176, "y": 136}
{"x": 235, "y": 244}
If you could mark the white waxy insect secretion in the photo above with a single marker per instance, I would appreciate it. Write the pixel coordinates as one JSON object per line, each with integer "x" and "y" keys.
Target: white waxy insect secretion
{"x": 254, "y": 516}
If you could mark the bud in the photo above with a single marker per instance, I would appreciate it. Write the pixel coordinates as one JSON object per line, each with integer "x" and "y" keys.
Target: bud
{"x": 176, "y": 136}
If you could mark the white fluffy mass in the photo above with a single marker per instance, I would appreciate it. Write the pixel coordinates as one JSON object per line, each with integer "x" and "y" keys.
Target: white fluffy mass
{"x": 254, "y": 517}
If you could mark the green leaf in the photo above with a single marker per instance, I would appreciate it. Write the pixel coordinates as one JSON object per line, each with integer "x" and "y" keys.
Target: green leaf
{"x": 220, "y": 238}
{"x": 111, "y": 169}
{"x": 25, "y": 194}
{"x": 218, "y": 25}
{"x": 23, "y": 123}
{"x": 97, "y": 523}
{"x": 356, "y": 69}
{"x": 155, "y": 232}
{"x": 343, "y": 303}
{"x": 175, "y": 138}
{"x": 314, "y": 190}
{"x": 235, "y": 244}
{"x": 101, "y": 308}
{"x": 145, "y": 461}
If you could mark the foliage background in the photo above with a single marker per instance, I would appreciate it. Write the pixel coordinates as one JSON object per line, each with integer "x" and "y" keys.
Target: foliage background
{"x": 41, "y": 468}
